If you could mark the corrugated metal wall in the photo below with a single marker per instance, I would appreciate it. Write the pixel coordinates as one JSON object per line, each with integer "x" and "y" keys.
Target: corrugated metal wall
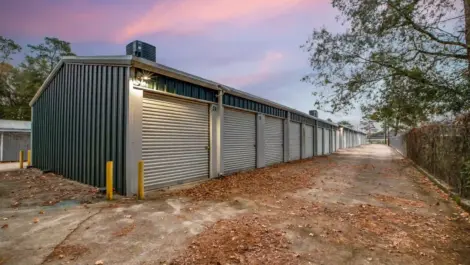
{"x": 239, "y": 138}
{"x": 320, "y": 141}
{"x": 175, "y": 140}
{"x": 12, "y": 143}
{"x": 274, "y": 140}
{"x": 79, "y": 123}
{"x": 326, "y": 142}
{"x": 333, "y": 141}
{"x": 308, "y": 141}
{"x": 338, "y": 145}
{"x": 294, "y": 141}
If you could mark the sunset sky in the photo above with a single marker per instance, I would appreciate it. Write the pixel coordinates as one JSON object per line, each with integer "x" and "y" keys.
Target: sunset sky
{"x": 252, "y": 45}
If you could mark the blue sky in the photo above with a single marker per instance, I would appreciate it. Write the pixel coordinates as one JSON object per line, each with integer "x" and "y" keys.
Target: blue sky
{"x": 250, "y": 45}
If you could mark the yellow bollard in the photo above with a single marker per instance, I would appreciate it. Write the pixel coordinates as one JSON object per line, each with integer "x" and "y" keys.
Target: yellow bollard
{"x": 29, "y": 158}
{"x": 140, "y": 181}
{"x": 109, "y": 180}
{"x": 21, "y": 159}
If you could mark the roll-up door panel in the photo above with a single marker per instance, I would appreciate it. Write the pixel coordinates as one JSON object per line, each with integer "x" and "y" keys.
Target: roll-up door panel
{"x": 239, "y": 136}
{"x": 294, "y": 141}
{"x": 319, "y": 141}
{"x": 273, "y": 140}
{"x": 175, "y": 140}
{"x": 327, "y": 141}
{"x": 337, "y": 140}
{"x": 308, "y": 141}
{"x": 333, "y": 142}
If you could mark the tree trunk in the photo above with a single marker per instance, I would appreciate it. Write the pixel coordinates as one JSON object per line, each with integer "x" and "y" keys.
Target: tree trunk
{"x": 466, "y": 6}
{"x": 397, "y": 122}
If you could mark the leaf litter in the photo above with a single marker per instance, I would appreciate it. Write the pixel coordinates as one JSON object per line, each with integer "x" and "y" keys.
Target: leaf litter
{"x": 259, "y": 238}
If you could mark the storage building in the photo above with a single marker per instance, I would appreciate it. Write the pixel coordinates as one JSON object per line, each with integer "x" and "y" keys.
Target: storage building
{"x": 185, "y": 128}
{"x": 14, "y": 137}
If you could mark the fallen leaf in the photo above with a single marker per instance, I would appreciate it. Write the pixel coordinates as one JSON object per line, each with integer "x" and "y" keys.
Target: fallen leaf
{"x": 99, "y": 262}
{"x": 35, "y": 220}
{"x": 61, "y": 256}
{"x": 4, "y": 226}
{"x": 41, "y": 212}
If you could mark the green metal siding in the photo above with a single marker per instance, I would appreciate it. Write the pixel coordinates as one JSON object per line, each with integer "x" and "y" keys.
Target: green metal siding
{"x": 298, "y": 118}
{"x": 178, "y": 87}
{"x": 79, "y": 123}
{"x": 243, "y": 103}
{"x": 324, "y": 125}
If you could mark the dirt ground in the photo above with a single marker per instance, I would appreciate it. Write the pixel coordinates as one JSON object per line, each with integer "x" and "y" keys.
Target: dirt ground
{"x": 30, "y": 187}
{"x": 365, "y": 205}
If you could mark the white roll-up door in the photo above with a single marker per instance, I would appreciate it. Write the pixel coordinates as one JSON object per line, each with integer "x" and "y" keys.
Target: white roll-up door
{"x": 319, "y": 141}
{"x": 239, "y": 136}
{"x": 327, "y": 141}
{"x": 273, "y": 140}
{"x": 337, "y": 139}
{"x": 308, "y": 141}
{"x": 294, "y": 141}
{"x": 333, "y": 141}
{"x": 175, "y": 140}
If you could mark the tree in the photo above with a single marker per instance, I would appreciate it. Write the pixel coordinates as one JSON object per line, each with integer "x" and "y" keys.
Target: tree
{"x": 345, "y": 124}
{"x": 7, "y": 77}
{"x": 18, "y": 85}
{"x": 401, "y": 105}
{"x": 7, "y": 48}
{"x": 329, "y": 120}
{"x": 45, "y": 56}
{"x": 424, "y": 43}
{"x": 367, "y": 124}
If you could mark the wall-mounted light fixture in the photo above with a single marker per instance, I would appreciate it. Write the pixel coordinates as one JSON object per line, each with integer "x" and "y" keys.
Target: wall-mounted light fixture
{"x": 136, "y": 82}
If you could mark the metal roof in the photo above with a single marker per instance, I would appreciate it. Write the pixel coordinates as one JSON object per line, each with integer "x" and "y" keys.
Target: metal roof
{"x": 138, "y": 62}
{"x": 15, "y": 126}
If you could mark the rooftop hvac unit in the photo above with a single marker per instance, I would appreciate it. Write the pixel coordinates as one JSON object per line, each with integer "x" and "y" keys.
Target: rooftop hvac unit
{"x": 141, "y": 49}
{"x": 313, "y": 113}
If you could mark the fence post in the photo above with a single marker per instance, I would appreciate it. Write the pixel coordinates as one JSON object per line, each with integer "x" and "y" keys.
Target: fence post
{"x": 21, "y": 159}
{"x": 109, "y": 180}
{"x": 140, "y": 180}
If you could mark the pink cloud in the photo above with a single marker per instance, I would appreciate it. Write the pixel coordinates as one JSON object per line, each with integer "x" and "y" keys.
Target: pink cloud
{"x": 72, "y": 20}
{"x": 189, "y": 15}
{"x": 263, "y": 71}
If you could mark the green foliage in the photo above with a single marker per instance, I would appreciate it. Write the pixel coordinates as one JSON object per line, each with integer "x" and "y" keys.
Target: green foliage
{"x": 399, "y": 59}
{"x": 464, "y": 185}
{"x": 345, "y": 124}
{"x": 46, "y": 55}
{"x": 18, "y": 85}
{"x": 401, "y": 106}
{"x": 457, "y": 199}
{"x": 7, "y": 48}
{"x": 367, "y": 125}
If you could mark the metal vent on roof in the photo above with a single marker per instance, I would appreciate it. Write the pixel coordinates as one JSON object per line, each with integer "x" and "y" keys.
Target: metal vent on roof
{"x": 313, "y": 113}
{"x": 141, "y": 49}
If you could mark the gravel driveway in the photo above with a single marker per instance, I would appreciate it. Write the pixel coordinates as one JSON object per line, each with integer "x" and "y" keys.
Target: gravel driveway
{"x": 365, "y": 205}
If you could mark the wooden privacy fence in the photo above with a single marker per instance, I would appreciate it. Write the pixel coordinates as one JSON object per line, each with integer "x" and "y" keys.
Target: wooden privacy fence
{"x": 441, "y": 149}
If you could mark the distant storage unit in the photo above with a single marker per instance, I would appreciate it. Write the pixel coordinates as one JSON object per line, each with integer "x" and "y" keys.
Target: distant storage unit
{"x": 14, "y": 137}
{"x": 185, "y": 128}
